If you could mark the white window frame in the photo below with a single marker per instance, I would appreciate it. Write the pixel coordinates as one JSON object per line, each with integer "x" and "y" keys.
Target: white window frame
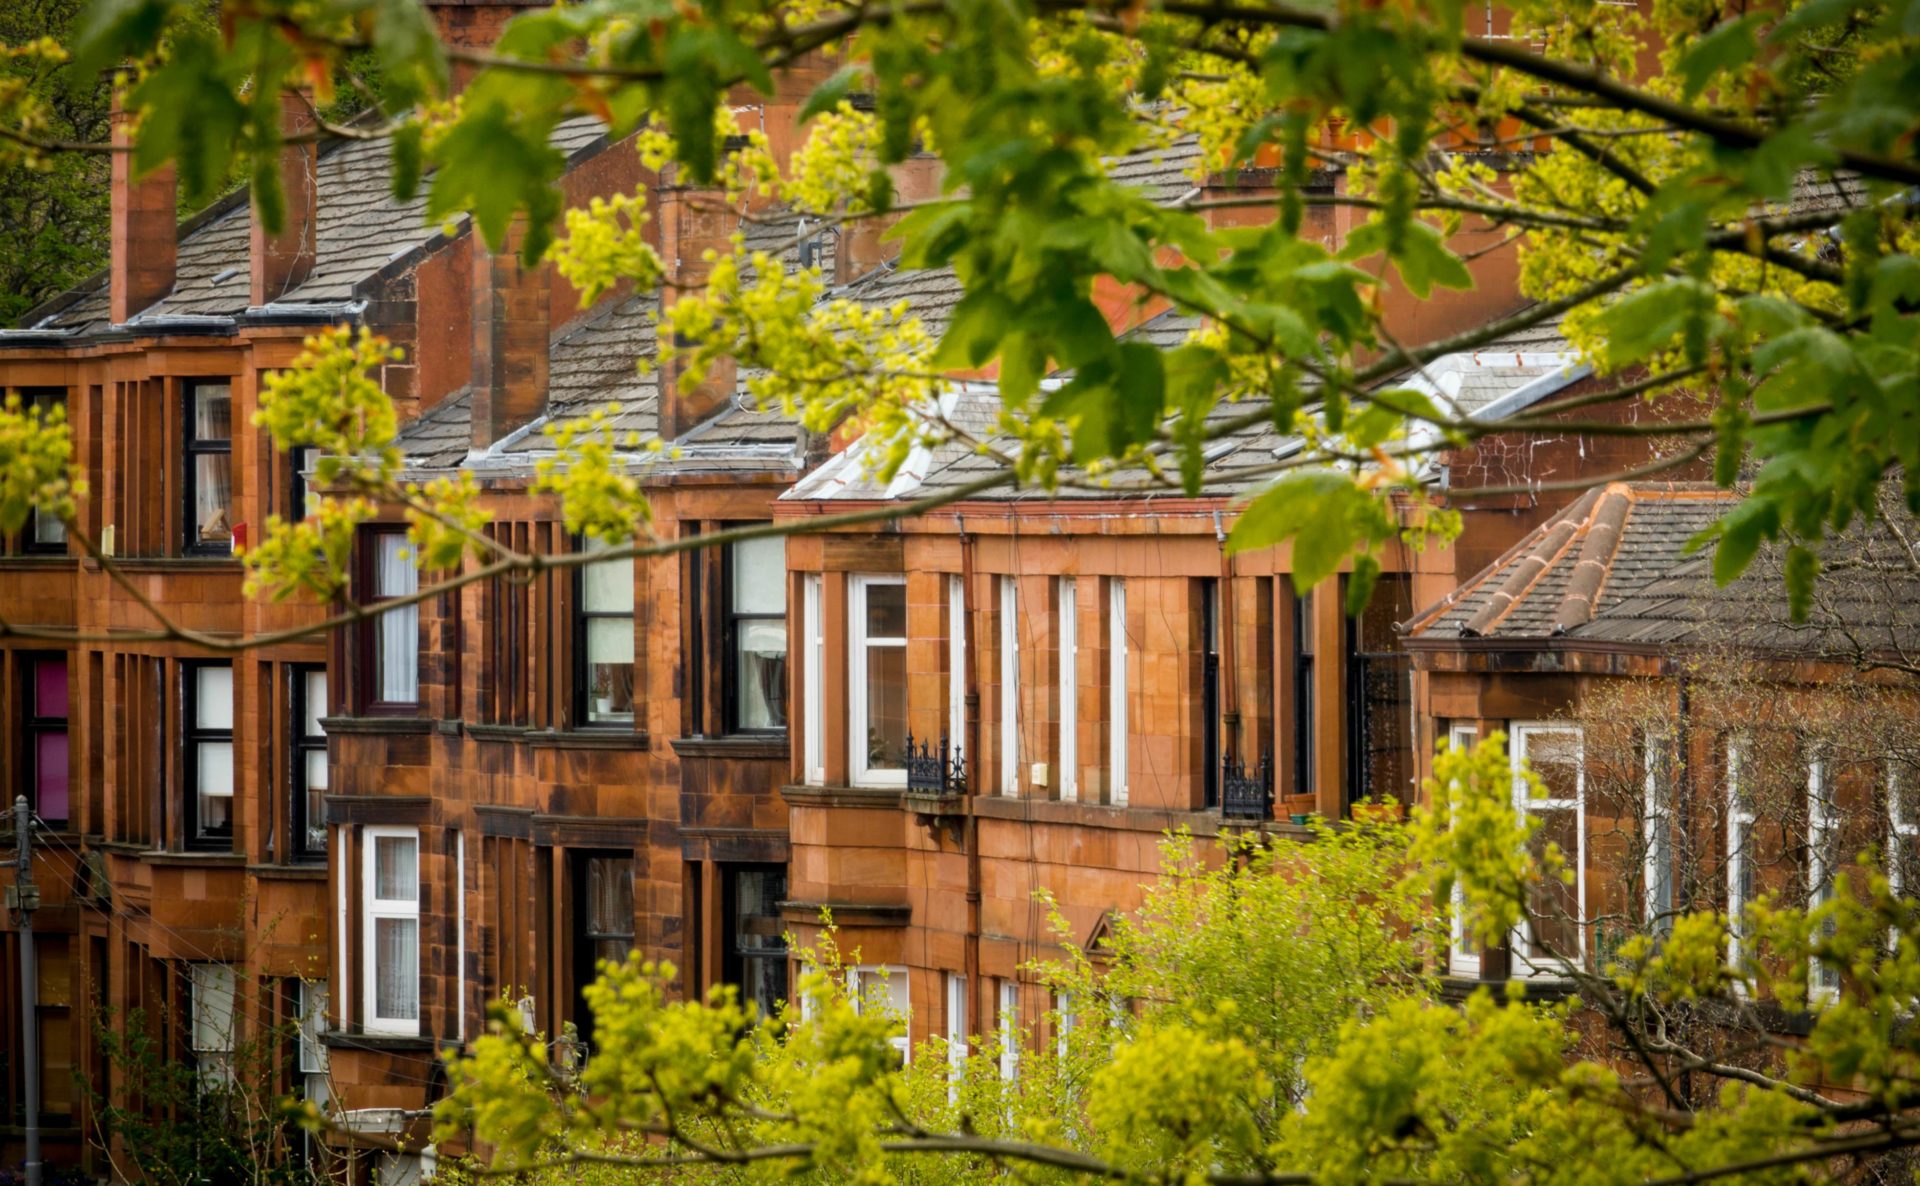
{"x": 956, "y": 662}
{"x": 1657, "y": 831}
{"x": 859, "y": 643}
{"x": 313, "y": 1024}
{"x": 214, "y": 988}
{"x": 460, "y": 934}
{"x": 372, "y": 910}
{"x": 956, "y": 1033}
{"x": 1462, "y": 959}
{"x": 1063, "y": 1021}
{"x": 813, "y": 755}
{"x": 1117, "y": 733}
{"x": 1009, "y": 687}
{"x": 1069, "y": 647}
{"x": 1740, "y": 822}
{"x": 1008, "y": 1024}
{"x": 1823, "y": 825}
{"x": 1903, "y": 831}
{"x": 1521, "y": 734}
{"x": 865, "y": 979}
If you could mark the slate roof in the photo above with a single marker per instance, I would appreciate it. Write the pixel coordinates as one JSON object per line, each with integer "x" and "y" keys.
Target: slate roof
{"x": 1613, "y": 569}
{"x": 361, "y": 230}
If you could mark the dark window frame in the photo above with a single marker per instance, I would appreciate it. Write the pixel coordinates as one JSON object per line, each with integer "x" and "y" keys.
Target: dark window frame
{"x": 366, "y": 644}
{"x": 297, "y": 489}
{"x": 29, "y": 543}
{"x": 192, "y": 737}
{"x": 731, "y": 622}
{"x": 1300, "y": 608}
{"x": 300, "y": 743}
{"x": 582, "y": 665}
{"x": 1208, "y": 591}
{"x": 734, "y": 954}
{"x": 192, "y": 447}
{"x": 35, "y": 726}
{"x": 585, "y": 940}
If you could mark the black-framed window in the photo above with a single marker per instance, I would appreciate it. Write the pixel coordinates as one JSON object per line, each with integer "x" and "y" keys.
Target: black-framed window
{"x": 302, "y": 499}
{"x": 755, "y": 959}
{"x": 307, "y": 758}
{"x": 1303, "y": 777}
{"x": 1379, "y": 688}
{"x": 48, "y": 782}
{"x": 208, "y": 456}
{"x": 604, "y": 640}
{"x": 1208, "y": 590}
{"x": 756, "y": 632}
{"x": 390, "y": 642}
{"x": 45, "y": 532}
{"x": 603, "y": 923}
{"x": 206, "y": 719}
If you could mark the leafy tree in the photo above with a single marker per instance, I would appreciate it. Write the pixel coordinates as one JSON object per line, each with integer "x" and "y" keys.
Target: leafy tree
{"x": 1660, "y": 170}
{"x": 1395, "y": 1085}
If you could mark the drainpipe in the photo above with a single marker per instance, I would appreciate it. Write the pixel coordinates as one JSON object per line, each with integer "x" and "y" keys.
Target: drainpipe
{"x": 971, "y": 833}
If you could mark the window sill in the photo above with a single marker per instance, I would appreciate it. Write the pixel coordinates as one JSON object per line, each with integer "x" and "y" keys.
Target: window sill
{"x": 338, "y": 1040}
{"x": 497, "y": 732}
{"x": 303, "y": 870}
{"x": 591, "y": 737}
{"x": 191, "y": 856}
{"x": 878, "y": 798}
{"x": 377, "y": 726}
{"x": 1456, "y": 989}
{"x": 739, "y": 745}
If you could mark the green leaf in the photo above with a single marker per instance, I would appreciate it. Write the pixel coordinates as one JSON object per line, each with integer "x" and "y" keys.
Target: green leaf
{"x": 191, "y": 116}
{"x": 1728, "y": 45}
{"x": 1424, "y": 261}
{"x": 975, "y": 329}
{"x": 1650, "y": 318}
{"x": 1113, "y": 403}
{"x": 1325, "y": 514}
{"x": 1803, "y": 569}
{"x": 412, "y": 62}
{"x": 1366, "y": 571}
{"x": 114, "y": 31}
{"x": 492, "y": 165}
{"x": 828, "y": 95}
{"x": 409, "y": 160}
{"x": 1739, "y": 536}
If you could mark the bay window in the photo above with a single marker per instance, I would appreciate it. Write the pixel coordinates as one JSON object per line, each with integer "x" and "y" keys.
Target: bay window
{"x": 756, "y": 636}
{"x": 603, "y": 921}
{"x": 207, "y": 714}
{"x": 307, "y": 758}
{"x": 1069, "y": 691}
{"x": 956, "y": 1033}
{"x": 1009, "y": 687}
{"x": 883, "y": 987}
{"x": 1657, "y": 820}
{"x": 1463, "y": 948}
{"x": 1823, "y": 864}
{"x": 47, "y": 746}
{"x": 391, "y": 646}
{"x": 208, "y": 451}
{"x": 390, "y": 930}
{"x": 1554, "y": 932}
{"x": 606, "y": 641}
{"x": 47, "y": 532}
{"x": 878, "y": 716}
{"x": 1117, "y": 693}
{"x": 211, "y": 987}
{"x": 813, "y": 756}
{"x": 1741, "y": 853}
{"x": 756, "y": 953}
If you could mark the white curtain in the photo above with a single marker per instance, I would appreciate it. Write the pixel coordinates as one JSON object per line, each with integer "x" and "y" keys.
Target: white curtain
{"x": 399, "y": 656}
{"x": 396, "y": 976}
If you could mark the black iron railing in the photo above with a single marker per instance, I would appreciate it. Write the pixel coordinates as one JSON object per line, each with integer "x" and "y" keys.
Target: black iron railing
{"x": 932, "y": 771}
{"x": 1244, "y": 793}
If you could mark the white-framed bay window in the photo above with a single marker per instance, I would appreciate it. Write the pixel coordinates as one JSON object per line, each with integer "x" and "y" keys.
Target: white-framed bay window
{"x": 1463, "y": 950}
{"x": 390, "y": 930}
{"x": 956, "y": 661}
{"x": 1656, "y": 819}
{"x": 1823, "y": 863}
{"x": 212, "y": 992}
{"x": 1008, "y": 1024}
{"x": 956, "y": 1033}
{"x": 1903, "y": 834}
{"x": 1554, "y": 934}
{"x": 877, "y": 713}
{"x": 885, "y": 987}
{"x": 1069, "y": 638}
{"x": 813, "y": 745}
{"x": 1117, "y": 692}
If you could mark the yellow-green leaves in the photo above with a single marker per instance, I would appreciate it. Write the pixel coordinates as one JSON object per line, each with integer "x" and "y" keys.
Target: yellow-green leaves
{"x": 1327, "y": 515}
{"x": 36, "y": 464}
{"x": 592, "y": 471}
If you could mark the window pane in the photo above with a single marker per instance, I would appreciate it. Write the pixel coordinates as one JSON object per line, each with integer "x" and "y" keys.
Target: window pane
{"x": 886, "y": 707}
{"x": 48, "y": 529}
{"x": 212, "y": 412}
{"x": 761, "y": 675}
{"x": 398, "y": 655}
{"x": 1554, "y": 904}
{"x": 610, "y": 669}
{"x": 756, "y": 923}
{"x": 304, "y": 461}
{"x": 212, "y": 498}
{"x": 213, "y": 698}
{"x": 56, "y": 1064}
{"x": 1555, "y": 758}
{"x": 396, "y": 968}
{"x": 50, "y": 688}
{"x": 759, "y": 576}
{"x": 213, "y": 1007}
{"x": 396, "y": 874}
{"x": 316, "y": 769}
{"x": 394, "y": 572}
{"x": 50, "y": 775}
{"x": 314, "y": 695}
{"x": 886, "y": 611}
{"x": 608, "y": 585}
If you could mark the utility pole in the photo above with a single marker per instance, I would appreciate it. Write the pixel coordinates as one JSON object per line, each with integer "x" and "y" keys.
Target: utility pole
{"x": 23, "y": 897}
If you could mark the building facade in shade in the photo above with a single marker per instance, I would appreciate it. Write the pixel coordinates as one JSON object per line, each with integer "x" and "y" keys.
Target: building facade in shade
{"x": 1698, "y": 748}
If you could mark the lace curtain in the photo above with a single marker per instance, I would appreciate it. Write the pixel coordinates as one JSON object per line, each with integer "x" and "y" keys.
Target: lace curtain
{"x": 399, "y": 633}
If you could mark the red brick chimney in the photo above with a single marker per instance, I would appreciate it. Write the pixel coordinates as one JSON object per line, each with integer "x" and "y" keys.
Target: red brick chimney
{"x": 280, "y": 263}
{"x": 472, "y": 24}
{"x": 692, "y": 222}
{"x": 510, "y": 319}
{"x": 862, "y": 247}
{"x": 145, "y": 227}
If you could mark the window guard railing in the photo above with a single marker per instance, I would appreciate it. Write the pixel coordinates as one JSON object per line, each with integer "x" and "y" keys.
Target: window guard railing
{"x": 1244, "y": 793}
{"x": 931, "y": 771}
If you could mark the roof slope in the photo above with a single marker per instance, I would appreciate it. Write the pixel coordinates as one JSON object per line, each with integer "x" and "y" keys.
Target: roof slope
{"x": 1614, "y": 569}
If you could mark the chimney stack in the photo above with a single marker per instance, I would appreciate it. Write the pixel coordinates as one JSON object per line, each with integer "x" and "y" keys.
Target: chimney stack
{"x": 692, "y": 222}
{"x": 510, "y": 320}
{"x": 145, "y": 226}
{"x": 280, "y": 263}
